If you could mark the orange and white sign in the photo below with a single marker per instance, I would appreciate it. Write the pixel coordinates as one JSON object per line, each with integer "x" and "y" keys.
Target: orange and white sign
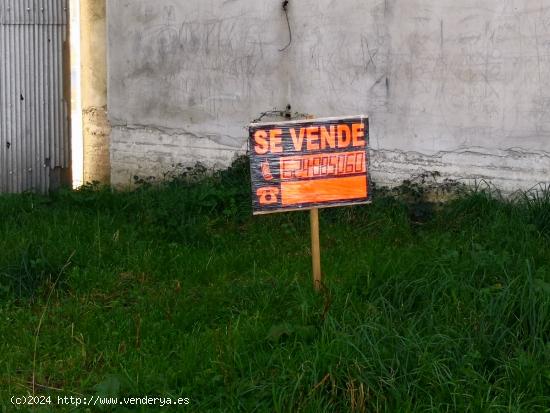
{"x": 310, "y": 163}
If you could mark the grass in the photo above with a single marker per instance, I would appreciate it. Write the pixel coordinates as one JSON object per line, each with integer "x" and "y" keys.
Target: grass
{"x": 178, "y": 291}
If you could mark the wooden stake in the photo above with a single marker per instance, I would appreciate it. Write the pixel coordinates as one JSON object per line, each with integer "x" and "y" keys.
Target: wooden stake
{"x": 315, "y": 248}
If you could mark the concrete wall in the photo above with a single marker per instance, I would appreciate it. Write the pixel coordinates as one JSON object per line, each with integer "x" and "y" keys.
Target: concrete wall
{"x": 456, "y": 87}
{"x": 96, "y": 129}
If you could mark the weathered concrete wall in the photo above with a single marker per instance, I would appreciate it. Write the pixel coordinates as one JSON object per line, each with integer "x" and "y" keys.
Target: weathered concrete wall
{"x": 457, "y": 87}
{"x": 96, "y": 129}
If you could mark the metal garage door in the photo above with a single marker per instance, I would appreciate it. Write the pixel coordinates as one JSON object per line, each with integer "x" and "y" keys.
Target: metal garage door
{"x": 34, "y": 95}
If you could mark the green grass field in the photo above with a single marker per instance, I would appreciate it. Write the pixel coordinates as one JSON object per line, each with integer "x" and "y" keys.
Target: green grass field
{"x": 177, "y": 291}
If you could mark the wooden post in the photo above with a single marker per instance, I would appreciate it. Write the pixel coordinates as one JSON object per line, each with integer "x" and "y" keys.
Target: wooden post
{"x": 315, "y": 248}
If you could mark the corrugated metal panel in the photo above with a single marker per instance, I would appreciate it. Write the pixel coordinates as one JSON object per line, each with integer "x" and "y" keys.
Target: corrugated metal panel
{"x": 34, "y": 129}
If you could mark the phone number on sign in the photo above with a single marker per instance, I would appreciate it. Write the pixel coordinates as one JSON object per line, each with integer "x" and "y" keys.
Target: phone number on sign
{"x": 323, "y": 165}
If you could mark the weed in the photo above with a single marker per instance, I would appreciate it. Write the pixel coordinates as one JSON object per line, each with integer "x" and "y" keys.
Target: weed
{"x": 175, "y": 290}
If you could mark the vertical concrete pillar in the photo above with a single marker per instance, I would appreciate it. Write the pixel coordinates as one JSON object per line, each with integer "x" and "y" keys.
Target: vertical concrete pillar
{"x": 96, "y": 128}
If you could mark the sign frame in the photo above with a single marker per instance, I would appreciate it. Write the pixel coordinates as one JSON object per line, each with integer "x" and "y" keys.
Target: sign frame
{"x": 282, "y": 150}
